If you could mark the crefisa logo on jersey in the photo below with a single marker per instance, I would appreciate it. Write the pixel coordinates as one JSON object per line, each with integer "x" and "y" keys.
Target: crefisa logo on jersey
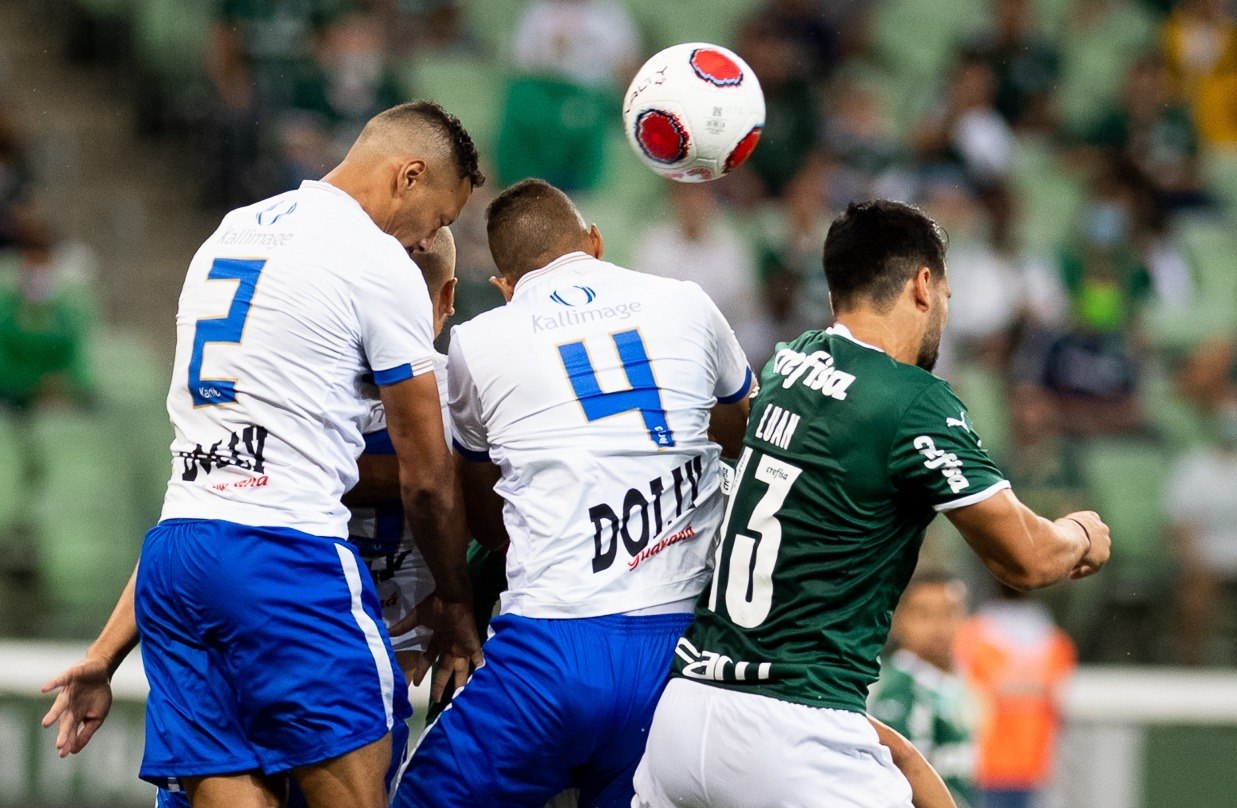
{"x": 574, "y": 296}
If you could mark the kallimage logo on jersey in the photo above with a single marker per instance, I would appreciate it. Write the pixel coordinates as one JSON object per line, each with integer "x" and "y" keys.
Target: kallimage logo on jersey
{"x": 575, "y": 296}
{"x": 275, "y": 212}
{"x": 716, "y": 67}
{"x": 662, "y": 136}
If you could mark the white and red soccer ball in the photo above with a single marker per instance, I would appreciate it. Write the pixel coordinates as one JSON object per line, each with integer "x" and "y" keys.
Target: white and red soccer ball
{"x": 694, "y": 112}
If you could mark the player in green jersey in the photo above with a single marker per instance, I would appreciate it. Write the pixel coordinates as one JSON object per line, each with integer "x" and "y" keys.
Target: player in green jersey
{"x": 918, "y": 693}
{"x": 852, "y": 448}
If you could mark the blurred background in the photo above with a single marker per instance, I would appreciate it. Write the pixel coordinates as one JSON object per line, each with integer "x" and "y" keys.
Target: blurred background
{"x": 1081, "y": 155}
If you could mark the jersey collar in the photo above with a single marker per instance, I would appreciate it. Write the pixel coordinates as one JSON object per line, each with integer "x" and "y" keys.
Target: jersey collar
{"x": 319, "y": 185}
{"x": 844, "y": 332}
{"x": 532, "y": 277}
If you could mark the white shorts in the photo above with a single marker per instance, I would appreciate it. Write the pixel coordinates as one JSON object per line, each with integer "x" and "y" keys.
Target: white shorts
{"x": 710, "y": 747}
{"x": 403, "y": 581}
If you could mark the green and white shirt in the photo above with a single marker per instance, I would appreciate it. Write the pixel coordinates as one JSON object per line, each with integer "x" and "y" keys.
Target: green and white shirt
{"x": 936, "y": 712}
{"x": 849, "y": 455}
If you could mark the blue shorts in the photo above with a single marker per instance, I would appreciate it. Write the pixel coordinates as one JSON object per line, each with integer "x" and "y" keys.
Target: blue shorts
{"x": 557, "y": 704}
{"x": 264, "y": 649}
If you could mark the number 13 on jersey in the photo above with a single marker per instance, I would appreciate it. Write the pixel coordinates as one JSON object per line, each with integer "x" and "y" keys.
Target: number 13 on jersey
{"x": 753, "y": 551}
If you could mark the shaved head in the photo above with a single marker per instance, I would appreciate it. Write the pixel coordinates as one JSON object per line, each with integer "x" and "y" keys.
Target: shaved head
{"x": 412, "y": 128}
{"x": 438, "y": 262}
{"x": 531, "y": 224}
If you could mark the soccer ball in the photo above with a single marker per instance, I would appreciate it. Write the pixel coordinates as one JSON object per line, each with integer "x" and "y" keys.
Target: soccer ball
{"x": 694, "y": 112}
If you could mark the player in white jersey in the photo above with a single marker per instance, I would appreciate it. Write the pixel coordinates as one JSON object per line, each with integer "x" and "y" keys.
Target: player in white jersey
{"x": 262, "y": 639}
{"x": 587, "y": 399}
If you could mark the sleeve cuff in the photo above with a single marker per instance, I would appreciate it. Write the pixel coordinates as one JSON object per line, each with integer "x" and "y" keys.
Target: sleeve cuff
{"x": 393, "y": 375}
{"x": 739, "y": 394}
{"x": 402, "y": 372}
{"x": 972, "y": 499}
{"x": 474, "y": 455}
{"x": 379, "y": 443}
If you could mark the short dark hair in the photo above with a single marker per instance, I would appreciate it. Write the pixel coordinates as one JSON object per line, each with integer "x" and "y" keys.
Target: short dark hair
{"x": 873, "y": 248}
{"x": 530, "y": 224}
{"x": 447, "y": 127}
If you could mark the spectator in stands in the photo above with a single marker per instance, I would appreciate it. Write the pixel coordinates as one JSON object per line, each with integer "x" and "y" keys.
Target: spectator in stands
{"x": 594, "y": 43}
{"x": 1025, "y": 63}
{"x": 1200, "y": 46}
{"x": 1202, "y": 507}
{"x": 700, "y": 244}
{"x": 864, "y": 155}
{"x": 967, "y": 131}
{"x": 14, "y": 182}
{"x": 1039, "y": 460}
{"x": 788, "y": 146}
{"x": 919, "y": 694}
{"x": 349, "y": 81}
{"x": 1017, "y": 661}
{"x": 1156, "y": 134}
{"x": 256, "y": 51}
{"x": 813, "y": 29}
{"x": 572, "y": 58}
{"x": 996, "y": 288}
{"x": 42, "y": 333}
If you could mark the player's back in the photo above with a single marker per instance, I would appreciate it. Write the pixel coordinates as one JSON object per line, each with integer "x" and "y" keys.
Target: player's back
{"x": 592, "y": 390}
{"x": 847, "y": 457}
{"x": 284, "y": 308}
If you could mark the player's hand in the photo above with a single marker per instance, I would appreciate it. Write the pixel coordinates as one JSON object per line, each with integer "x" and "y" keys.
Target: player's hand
{"x": 454, "y": 644}
{"x": 1101, "y": 543}
{"x": 83, "y": 703}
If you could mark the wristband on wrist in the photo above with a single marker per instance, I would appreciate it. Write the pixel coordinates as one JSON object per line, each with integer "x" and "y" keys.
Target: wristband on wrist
{"x": 1085, "y": 532}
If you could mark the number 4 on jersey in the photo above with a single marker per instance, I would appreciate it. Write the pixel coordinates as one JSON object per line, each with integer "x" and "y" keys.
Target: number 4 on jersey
{"x": 642, "y": 396}
{"x": 749, "y": 578}
{"x": 213, "y": 392}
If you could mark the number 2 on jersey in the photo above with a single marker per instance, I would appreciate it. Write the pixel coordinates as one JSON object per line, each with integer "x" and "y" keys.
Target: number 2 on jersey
{"x": 213, "y": 392}
{"x": 749, "y": 578}
{"x": 642, "y": 396}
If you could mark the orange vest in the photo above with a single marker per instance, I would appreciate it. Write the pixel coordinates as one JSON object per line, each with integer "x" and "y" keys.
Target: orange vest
{"x": 1017, "y": 684}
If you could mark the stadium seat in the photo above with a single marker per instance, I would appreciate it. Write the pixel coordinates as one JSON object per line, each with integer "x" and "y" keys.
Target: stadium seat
{"x": 1094, "y": 62}
{"x": 1125, "y": 478}
{"x": 1220, "y": 169}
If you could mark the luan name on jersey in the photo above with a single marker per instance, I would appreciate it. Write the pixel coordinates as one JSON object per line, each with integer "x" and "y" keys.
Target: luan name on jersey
{"x": 823, "y": 529}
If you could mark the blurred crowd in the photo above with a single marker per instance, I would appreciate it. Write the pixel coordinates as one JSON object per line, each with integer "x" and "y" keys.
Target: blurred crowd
{"x": 1081, "y": 156}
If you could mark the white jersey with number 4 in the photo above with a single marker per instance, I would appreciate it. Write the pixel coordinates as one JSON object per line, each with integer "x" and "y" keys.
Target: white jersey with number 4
{"x": 591, "y": 390}
{"x": 285, "y": 309}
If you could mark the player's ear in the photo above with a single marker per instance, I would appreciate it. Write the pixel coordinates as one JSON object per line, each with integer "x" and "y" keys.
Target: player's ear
{"x": 411, "y": 171}
{"x": 597, "y": 244}
{"x": 446, "y": 299}
{"x": 922, "y": 288}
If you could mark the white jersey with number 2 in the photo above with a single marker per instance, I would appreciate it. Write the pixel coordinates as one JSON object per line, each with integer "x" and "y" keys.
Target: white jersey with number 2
{"x": 285, "y": 309}
{"x": 591, "y": 390}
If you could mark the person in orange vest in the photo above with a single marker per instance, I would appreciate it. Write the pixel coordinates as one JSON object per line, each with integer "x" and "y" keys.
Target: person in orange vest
{"x": 1017, "y": 661}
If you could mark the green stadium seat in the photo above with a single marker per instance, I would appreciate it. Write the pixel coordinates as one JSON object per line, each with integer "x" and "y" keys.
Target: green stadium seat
{"x": 1125, "y": 478}
{"x": 171, "y": 37}
{"x": 1220, "y": 169}
{"x": 1094, "y": 62}
{"x": 1051, "y": 198}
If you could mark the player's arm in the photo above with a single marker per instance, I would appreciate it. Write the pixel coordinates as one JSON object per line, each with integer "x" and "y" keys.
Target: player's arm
{"x": 483, "y": 506}
{"x": 378, "y": 480}
{"x": 85, "y": 696}
{"x": 1027, "y": 551}
{"x": 728, "y": 425}
{"x": 733, "y": 387}
{"x": 432, "y": 503}
{"x": 937, "y": 457}
{"x": 928, "y": 790}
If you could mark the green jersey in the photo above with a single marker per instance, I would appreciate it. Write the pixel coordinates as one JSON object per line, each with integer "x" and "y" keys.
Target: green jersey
{"x": 848, "y": 456}
{"x": 937, "y": 713}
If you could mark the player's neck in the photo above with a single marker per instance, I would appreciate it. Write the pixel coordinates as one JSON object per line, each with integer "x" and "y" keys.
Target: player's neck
{"x": 347, "y": 181}
{"x": 889, "y": 332}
